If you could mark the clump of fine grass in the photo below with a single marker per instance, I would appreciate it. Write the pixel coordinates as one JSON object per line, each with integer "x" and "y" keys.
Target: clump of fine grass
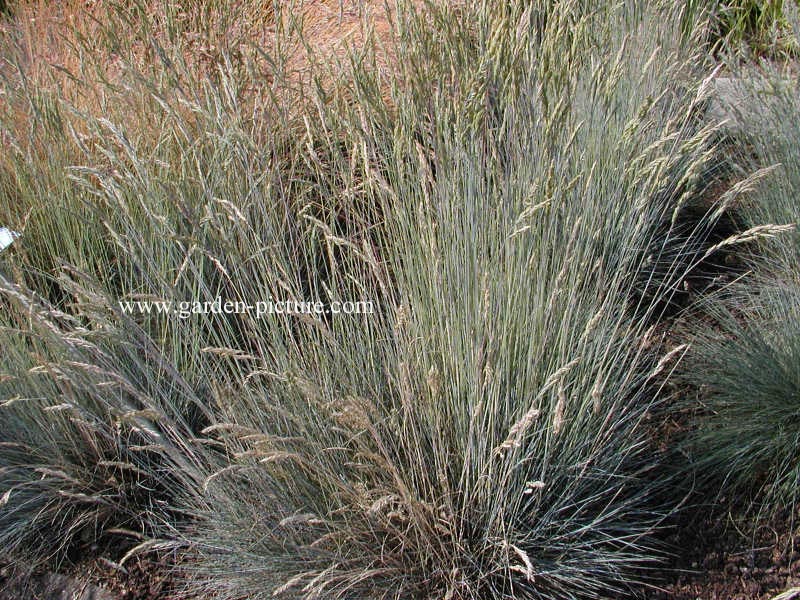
{"x": 486, "y": 437}
{"x": 761, "y": 28}
{"x": 103, "y": 408}
{"x": 744, "y": 360}
{"x": 99, "y": 414}
{"x": 746, "y": 368}
{"x": 92, "y": 455}
{"x": 485, "y": 433}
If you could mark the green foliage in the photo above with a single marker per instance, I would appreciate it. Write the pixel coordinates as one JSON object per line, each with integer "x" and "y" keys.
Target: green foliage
{"x": 514, "y": 208}
{"x": 747, "y": 370}
{"x": 91, "y": 447}
{"x": 744, "y": 358}
{"x": 762, "y": 27}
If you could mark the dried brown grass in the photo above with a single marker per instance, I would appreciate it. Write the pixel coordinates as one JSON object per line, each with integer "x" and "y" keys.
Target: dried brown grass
{"x": 68, "y": 47}
{"x": 326, "y": 32}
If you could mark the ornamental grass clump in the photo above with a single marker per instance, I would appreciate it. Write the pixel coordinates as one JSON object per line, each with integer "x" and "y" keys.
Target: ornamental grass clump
{"x": 511, "y": 210}
{"x": 749, "y": 27}
{"x": 93, "y": 453}
{"x": 744, "y": 361}
{"x": 488, "y": 434}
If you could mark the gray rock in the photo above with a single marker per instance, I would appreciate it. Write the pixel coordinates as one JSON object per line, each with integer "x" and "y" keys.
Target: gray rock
{"x": 728, "y": 103}
{"x": 744, "y": 104}
{"x": 52, "y": 587}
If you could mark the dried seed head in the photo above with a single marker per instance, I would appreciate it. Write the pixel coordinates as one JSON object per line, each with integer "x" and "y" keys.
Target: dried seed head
{"x": 558, "y": 415}
{"x": 519, "y": 428}
{"x": 533, "y": 486}
{"x": 434, "y": 382}
{"x": 597, "y": 397}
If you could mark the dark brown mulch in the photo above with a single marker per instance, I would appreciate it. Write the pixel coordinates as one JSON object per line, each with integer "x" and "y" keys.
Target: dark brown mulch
{"x": 50, "y": 586}
{"x": 718, "y": 561}
{"x": 145, "y": 577}
{"x": 714, "y": 560}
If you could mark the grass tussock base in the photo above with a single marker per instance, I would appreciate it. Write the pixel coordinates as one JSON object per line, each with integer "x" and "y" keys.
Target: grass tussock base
{"x": 745, "y": 358}
{"x": 513, "y": 207}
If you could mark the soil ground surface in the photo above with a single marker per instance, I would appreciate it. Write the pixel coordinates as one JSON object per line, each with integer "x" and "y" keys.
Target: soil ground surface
{"x": 717, "y": 560}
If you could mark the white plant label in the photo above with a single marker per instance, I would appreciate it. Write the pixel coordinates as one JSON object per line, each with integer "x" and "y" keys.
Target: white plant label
{"x": 7, "y": 237}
